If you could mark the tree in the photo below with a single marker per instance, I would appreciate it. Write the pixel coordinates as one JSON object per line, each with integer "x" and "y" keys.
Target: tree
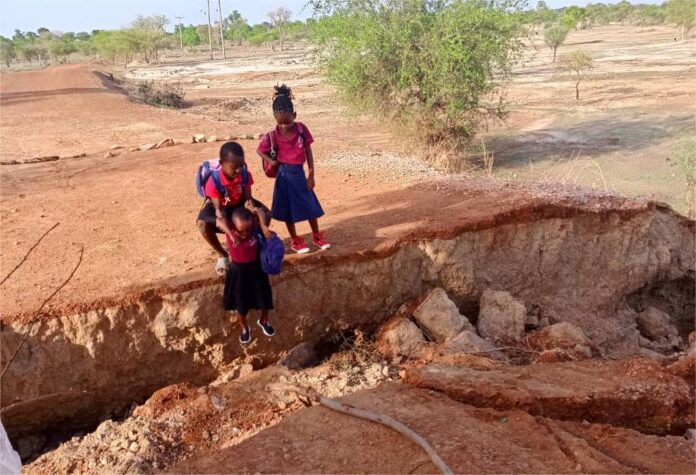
{"x": 573, "y": 17}
{"x": 554, "y": 37}
{"x": 682, "y": 14}
{"x": 621, "y": 11}
{"x": 578, "y": 62}
{"x": 237, "y": 27}
{"x": 430, "y": 66}
{"x": 279, "y": 17}
{"x": 147, "y": 35}
{"x": 190, "y": 36}
{"x": 7, "y": 51}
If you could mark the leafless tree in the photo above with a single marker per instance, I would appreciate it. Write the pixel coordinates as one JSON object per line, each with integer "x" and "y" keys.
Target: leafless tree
{"x": 279, "y": 17}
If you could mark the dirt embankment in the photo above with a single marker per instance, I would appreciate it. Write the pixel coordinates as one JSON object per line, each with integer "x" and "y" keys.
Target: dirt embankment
{"x": 571, "y": 264}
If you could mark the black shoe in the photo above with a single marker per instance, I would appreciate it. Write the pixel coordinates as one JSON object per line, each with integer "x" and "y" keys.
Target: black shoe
{"x": 267, "y": 328}
{"x": 245, "y": 336}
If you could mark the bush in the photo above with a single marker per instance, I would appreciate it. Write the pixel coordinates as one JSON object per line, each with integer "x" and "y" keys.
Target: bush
{"x": 161, "y": 95}
{"x": 434, "y": 66}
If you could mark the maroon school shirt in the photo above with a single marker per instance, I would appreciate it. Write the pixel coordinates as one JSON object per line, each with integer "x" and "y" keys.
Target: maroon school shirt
{"x": 246, "y": 250}
{"x": 290, "y": 151}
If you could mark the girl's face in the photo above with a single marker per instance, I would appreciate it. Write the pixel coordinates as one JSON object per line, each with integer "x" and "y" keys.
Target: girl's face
{"x": 243, "y": 228}
{"x": 285, "y": 120}
{"x": 231, "y": 167}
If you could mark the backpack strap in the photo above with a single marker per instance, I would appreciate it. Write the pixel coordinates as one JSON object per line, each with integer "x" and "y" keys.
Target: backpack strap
{"x": 245, "y": 178}
{"x": 273, "y": 153}
{"x": 217, "y": 181}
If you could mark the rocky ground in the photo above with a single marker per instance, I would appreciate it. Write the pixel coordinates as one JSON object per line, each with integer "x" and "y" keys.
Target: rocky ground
{"x": 506, "y": 394}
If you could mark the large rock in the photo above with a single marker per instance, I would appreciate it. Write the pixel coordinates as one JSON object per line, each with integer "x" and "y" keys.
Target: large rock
{"x": 300, "y": 356}
{"x": 440, "y": 317}
{"x": 400, "y": 337}
{"x": 470, "y": 342}
{"x": 559, "y": 335}
{"x": 468, "y": 439}
{"x": 637, "y": 393}
{"x": 655, "y": 324}
{"x": 501, "y": 316}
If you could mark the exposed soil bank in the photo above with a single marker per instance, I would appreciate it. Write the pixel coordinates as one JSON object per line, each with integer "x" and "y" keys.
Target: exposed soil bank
{"x": 577, "y": 266}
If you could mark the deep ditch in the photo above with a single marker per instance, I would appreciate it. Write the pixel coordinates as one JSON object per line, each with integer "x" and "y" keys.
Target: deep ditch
{"x": 593, "y": 269}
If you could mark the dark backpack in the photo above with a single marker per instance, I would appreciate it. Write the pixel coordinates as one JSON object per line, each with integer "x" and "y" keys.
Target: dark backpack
{"x": 273, "y": 153}
{"x": 271, "y": 253}
{"x": 210, "y": 169}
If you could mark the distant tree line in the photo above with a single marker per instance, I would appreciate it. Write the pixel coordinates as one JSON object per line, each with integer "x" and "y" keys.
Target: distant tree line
{"x": 681, "y": 13}
{"x": 146, "y": 38}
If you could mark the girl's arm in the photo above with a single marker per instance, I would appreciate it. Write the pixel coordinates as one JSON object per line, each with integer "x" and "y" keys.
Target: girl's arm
{"x": 263, "y": 217}
{"x": 220, "y": 219}
{"x": 267, "y": 158}
{"x": 310, "y": 167}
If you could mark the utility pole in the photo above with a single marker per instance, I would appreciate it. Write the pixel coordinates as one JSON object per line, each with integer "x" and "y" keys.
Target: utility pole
{"x": 181, "y": 34}
{"x": 222, "y": 35}
{"x": 210, "y": 32}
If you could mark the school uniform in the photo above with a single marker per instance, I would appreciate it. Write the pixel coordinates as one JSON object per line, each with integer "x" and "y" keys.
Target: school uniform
{"x": 247, "y": 286}
{"x": 234, "y": 199}
{"x": 292, "y": 201}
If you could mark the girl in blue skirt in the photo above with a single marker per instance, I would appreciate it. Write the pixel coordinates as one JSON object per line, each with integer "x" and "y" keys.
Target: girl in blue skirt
{"x": 285, "y": 150}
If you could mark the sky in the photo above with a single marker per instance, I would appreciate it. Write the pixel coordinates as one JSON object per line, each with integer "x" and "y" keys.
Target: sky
{"x": 88, "y": 15}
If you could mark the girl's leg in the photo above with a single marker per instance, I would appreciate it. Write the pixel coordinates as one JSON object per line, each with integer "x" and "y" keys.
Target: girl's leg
{"x": 242, "y": 319}
{"x": 291, "y": 229}
{"x": 208, "y": 232}
{"x": 264, "y": 316}
{"x": 314, "y": 224}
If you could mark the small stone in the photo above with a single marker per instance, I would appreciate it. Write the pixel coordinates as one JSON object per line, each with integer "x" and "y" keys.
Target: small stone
{"x": 281, "y": 405}
{"x": 216, "y": 437}
{"x": 116, "y": 147}
{"x": 206, "y": 435}
{"x": 133, "y": 447}
{"x": 257, "y": 136}
{"x": 104, "y": 461}
{"x": 212, "y": 138}
{"x": 198, "y": 138}
{"x": 108, "y": 154}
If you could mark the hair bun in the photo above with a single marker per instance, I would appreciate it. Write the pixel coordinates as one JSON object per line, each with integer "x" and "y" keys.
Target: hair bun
{"x": 283, "y": 90}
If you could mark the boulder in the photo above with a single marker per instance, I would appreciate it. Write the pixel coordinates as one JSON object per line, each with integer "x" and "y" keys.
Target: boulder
{"x": 655, "y": 324}
{"x": 400, "y": 337}
{"x": 559, "y": 335}
{"x": 501, "y": 316}
{"x": 440, "y": 317}
{"x": 299, "y": 356}
{"x": 469, "y": 342}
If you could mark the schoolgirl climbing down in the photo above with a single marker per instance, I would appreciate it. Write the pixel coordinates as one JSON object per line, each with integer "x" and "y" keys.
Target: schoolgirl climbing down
{"x": 285, "y": 150}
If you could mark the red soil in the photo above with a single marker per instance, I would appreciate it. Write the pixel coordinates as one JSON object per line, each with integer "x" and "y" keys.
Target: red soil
{"x": 135, "y": 213}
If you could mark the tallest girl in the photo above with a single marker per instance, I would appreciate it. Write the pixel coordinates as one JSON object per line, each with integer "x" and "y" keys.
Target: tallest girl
{"x": 286, "y": 148}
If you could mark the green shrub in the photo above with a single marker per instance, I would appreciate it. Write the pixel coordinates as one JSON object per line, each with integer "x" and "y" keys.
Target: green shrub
{"x": 434, "y": 66}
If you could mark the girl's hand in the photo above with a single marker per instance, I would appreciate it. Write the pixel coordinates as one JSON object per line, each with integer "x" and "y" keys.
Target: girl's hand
{"x": 310, "y": 181}
{"x": 250, "y": 206}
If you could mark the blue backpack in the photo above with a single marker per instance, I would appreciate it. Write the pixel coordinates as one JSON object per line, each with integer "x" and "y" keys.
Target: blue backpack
{"x": 211, "y": 169}
{"x": 271, "y": 253}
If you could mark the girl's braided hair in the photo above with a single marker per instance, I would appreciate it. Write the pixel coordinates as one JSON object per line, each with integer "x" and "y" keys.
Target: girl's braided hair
{"x": 282, "y": 99}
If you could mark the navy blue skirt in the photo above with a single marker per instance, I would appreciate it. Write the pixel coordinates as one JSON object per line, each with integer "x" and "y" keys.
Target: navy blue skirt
{"x": 292, "y": 201}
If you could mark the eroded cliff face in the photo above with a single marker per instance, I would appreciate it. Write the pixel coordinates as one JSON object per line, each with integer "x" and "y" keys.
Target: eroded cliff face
{"x": 595, "y": 270}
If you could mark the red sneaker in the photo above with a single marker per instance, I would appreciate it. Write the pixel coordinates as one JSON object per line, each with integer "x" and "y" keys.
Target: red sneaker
{"x": 320, "y": 242}
{"x": 298, "y": 245}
